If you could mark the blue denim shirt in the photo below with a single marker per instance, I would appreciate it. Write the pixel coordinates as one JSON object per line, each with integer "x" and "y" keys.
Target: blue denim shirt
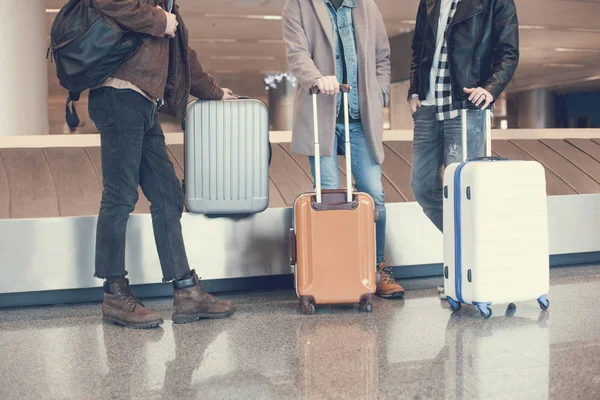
{"x": 345, "y": 42}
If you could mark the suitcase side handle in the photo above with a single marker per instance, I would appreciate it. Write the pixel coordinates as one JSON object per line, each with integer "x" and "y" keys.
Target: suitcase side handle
{"x": 293, "y": 250}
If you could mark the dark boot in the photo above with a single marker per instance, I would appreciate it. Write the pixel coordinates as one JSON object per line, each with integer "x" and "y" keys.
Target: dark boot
{"x": 122, "y": 308}
{"x": 192, "y": 303}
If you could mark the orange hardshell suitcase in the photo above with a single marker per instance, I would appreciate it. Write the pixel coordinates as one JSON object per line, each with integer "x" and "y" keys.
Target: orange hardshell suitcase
{"x": 333, "y": 238}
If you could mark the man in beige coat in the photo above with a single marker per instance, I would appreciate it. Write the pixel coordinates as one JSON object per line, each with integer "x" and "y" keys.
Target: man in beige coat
{"x": 343, "y": 41}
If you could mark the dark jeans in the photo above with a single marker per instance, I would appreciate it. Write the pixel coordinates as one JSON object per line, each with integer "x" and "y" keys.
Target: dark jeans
{"x": 437, "y": 144}
{"x": 134, "y": 153}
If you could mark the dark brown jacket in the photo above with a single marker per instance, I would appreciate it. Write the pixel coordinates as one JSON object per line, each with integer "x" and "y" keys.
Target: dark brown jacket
{"x": 165, "y": 69}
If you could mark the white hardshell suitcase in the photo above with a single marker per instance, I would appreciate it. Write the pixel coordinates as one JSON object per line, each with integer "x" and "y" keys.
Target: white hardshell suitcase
{"x": 227, "y": 154}
{"x": 495, "y": 230}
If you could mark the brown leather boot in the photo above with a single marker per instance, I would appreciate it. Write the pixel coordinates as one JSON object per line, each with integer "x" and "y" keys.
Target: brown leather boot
{"x": 122, "y": 308}
{"x": 192, "y": 303}
{"x": 387, "y": 287}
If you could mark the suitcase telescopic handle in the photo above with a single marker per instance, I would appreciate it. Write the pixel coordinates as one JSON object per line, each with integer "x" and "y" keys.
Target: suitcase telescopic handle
{"x": 488, "y": 130}
{"x": 344, "y": 88}
{"x": 314, "y": 91}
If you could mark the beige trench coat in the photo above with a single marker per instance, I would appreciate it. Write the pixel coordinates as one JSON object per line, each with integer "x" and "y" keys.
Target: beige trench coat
{"x": 308, "y": 35}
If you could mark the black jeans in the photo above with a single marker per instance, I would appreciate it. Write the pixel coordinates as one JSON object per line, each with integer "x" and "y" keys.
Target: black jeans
{"x": 134, "y": 153}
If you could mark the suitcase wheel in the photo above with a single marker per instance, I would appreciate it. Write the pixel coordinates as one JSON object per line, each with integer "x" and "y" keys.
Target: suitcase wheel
{"x": 307, "y": 305}
{"x": 544, "y": 302}
{"x": 455, "y": 305}
{"x": 366, "y": 303}
{"x": 308, "y": 309}
{"x": 511, "y": 310}
{"x": 485, "y": 311}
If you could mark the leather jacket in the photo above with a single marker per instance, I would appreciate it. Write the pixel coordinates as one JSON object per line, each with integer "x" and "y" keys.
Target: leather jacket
{"x": 483, "y": 47}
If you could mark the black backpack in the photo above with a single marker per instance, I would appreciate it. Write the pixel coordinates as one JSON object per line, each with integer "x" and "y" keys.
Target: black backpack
{"x": 87, "y": 47}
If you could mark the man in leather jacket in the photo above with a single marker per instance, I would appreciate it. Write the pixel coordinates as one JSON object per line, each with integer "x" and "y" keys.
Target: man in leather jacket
{"x": 465, "y": 52}
{"x": 158, "y": 77}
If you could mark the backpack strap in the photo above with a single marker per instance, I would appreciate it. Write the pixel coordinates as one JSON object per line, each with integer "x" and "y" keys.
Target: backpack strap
{"x": 70, "y": 112}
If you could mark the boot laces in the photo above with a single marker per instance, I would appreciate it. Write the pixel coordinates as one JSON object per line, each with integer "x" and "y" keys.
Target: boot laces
{"x": 125, "y": 294}
{"x": 387, "y": 275}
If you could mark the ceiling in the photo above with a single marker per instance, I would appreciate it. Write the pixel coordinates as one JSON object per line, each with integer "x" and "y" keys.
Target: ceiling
{"x": 239, "y": 41}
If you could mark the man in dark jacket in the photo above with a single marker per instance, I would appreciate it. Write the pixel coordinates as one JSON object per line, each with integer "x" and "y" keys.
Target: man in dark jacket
{"x": 160, "y": 75}
{"x": 465, "y": 52}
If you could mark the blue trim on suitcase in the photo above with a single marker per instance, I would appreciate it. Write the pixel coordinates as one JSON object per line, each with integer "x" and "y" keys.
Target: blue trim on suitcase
{"x": 458, "y": 234}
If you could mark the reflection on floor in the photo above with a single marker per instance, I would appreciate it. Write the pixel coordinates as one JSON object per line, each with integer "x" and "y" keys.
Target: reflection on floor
{"x": 411, "y": 349}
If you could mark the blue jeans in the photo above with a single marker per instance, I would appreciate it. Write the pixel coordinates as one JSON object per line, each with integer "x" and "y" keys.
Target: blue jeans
{"x": 437, "y": 144}
{"x": 134, "y": 153}
{"x": 366, "y": 172}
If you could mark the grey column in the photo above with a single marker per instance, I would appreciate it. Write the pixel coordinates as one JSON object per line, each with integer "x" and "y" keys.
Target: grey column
{"x": 537, "y": 109}
{"x": 281, "y": 89}
{"x": 23, "y": 68}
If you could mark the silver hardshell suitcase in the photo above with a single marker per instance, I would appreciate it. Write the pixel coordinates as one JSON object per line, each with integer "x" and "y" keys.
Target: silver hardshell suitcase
{"x": 227, "y": 157}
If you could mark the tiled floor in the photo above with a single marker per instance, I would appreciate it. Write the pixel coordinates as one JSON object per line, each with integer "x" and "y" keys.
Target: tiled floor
{"x": 412, "y": 349}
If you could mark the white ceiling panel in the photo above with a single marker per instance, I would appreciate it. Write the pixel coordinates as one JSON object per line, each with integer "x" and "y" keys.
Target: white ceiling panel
{"x": 244, "y": 36}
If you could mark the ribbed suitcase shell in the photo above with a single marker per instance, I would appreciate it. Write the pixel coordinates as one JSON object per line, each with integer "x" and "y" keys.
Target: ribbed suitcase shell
{"x": 227, "y": 157}
{"x": 496, "y": 218}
